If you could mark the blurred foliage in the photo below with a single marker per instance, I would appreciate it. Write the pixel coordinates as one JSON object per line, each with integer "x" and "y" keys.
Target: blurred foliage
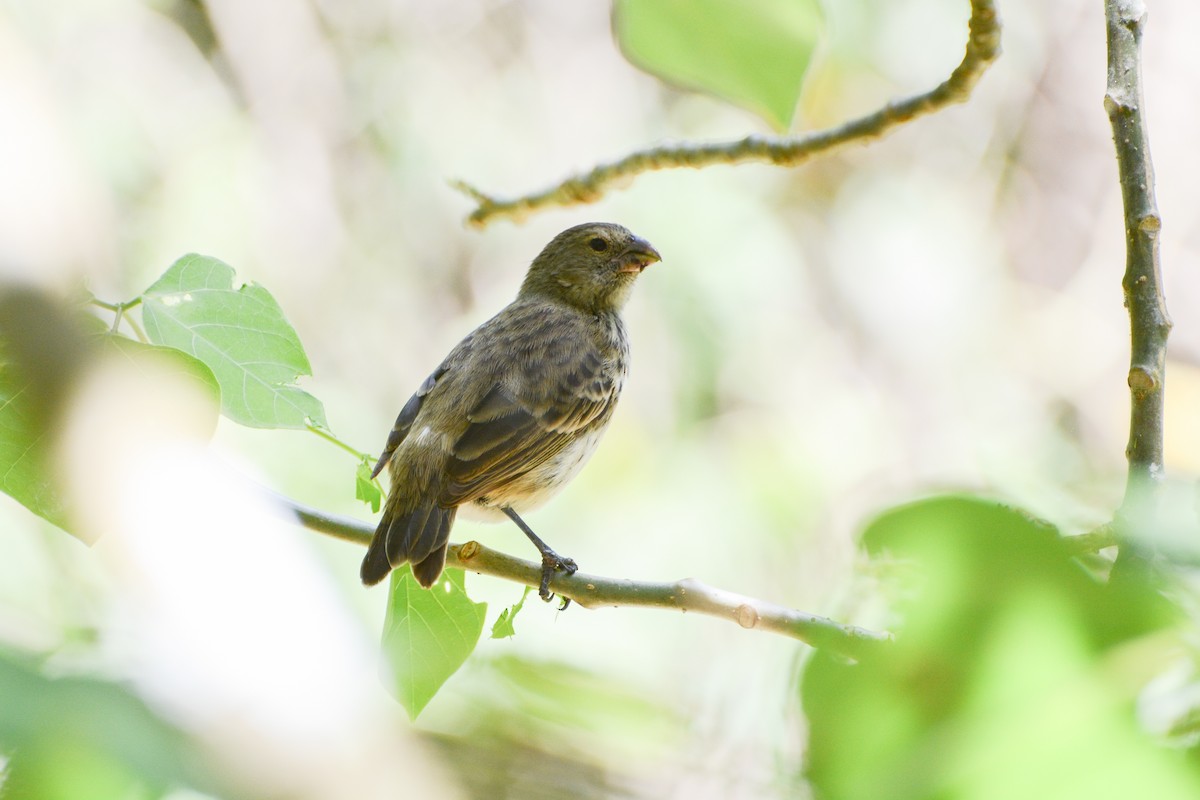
{"x": 71, "y": 737}
{"x": 46, "y": 347}
{"x": 169, "y": 359}
{"x": 508, "y": 767}
{"x": 573, "y": 705}
{"x": 752, "y": 54}
{"x": 548, "y": 729}
{"x": 42, "y": 350}
{"x": 1015, "y": 672}
{"x": 23, "y": 448}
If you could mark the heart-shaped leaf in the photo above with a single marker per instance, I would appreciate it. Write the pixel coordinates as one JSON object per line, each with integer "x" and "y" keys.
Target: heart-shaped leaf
{"x": 428, "y": 634}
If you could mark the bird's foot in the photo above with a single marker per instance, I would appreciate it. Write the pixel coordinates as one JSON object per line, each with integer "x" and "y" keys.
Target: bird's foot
{"x": 551, "y": 563}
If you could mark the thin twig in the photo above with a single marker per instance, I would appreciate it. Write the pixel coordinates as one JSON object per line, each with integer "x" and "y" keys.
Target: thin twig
{"x": 1091, "y": 542}
{"x": 983, "y": 47}
{"x": 1149, "y": 322}
{"x": 329, "y": 436}
{"x": 120, "y": 316}
{"x": 96, "y": 301}
{"x": 594, "y": 591}
{"x": 137, "y": 329}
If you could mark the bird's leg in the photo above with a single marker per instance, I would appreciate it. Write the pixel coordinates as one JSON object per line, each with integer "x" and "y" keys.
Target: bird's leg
{"x": 551, "y": 560}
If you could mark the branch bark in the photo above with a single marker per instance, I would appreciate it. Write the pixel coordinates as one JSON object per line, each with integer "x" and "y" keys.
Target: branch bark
{"x": 1149, "y": 322}
{"x": 983, "y": 47}
{"x": 594, "y": 591}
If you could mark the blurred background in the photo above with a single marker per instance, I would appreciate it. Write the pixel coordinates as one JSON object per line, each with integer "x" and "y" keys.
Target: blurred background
{"x": 940, "y": 309}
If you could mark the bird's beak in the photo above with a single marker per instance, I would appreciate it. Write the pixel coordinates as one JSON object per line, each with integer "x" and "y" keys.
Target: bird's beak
{"x": 637, "y": 256}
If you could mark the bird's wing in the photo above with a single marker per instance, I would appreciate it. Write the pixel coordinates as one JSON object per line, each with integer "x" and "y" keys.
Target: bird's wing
{"x": 405, "y": 419}
{"x": 511, "y": 432}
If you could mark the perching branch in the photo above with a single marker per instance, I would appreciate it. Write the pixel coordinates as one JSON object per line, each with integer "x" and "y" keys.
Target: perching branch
{"x": 1149, "y": 323}
{"x": 983, "y": 47}
{"x": 594, "y": 591}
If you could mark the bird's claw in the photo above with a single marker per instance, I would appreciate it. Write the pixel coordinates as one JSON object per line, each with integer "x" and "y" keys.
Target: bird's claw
{"x": 551, "y": 563}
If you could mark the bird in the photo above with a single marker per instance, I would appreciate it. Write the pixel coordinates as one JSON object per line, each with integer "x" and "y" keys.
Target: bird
{"x": 516, "y": 408}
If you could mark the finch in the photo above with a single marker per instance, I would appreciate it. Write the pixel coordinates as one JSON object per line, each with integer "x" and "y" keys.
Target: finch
{"x": 515, "y": 409}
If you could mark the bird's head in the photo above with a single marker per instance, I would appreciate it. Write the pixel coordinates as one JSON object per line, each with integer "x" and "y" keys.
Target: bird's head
{"x": 591, "y": 266}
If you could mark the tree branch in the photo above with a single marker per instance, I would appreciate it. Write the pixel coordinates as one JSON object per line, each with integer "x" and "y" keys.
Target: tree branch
{"x": 594, "y": 591}
{"x": 1149, "y": 322}
{"x": 983, "y": 47}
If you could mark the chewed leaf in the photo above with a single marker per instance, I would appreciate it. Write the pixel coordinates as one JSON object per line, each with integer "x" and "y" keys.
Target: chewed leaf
{"x": 365, "y": 487}
{"x": 240, "y": 334}
{"x": 505, "y": 625}
{"x": 754, "y": 54}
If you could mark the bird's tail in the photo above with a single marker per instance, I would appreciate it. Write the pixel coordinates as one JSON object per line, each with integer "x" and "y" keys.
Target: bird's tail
{"x": 419, "y": 535}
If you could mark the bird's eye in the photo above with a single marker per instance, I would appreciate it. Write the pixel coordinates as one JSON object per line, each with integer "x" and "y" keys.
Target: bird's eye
{"x": 598, "y": 244}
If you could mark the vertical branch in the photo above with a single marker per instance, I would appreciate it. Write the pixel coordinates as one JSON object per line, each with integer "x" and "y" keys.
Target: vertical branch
{"x": 1148, "y": 319}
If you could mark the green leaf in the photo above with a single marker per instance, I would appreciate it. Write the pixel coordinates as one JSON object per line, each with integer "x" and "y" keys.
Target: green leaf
{"x": 753, "y": 53}
{"x": 503, "y": 628}
{"x": 365, "y": 487}
{"x": 240, "y": 334}
{"x": 24, "y": 440}
{"x": 428, "y": 634}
